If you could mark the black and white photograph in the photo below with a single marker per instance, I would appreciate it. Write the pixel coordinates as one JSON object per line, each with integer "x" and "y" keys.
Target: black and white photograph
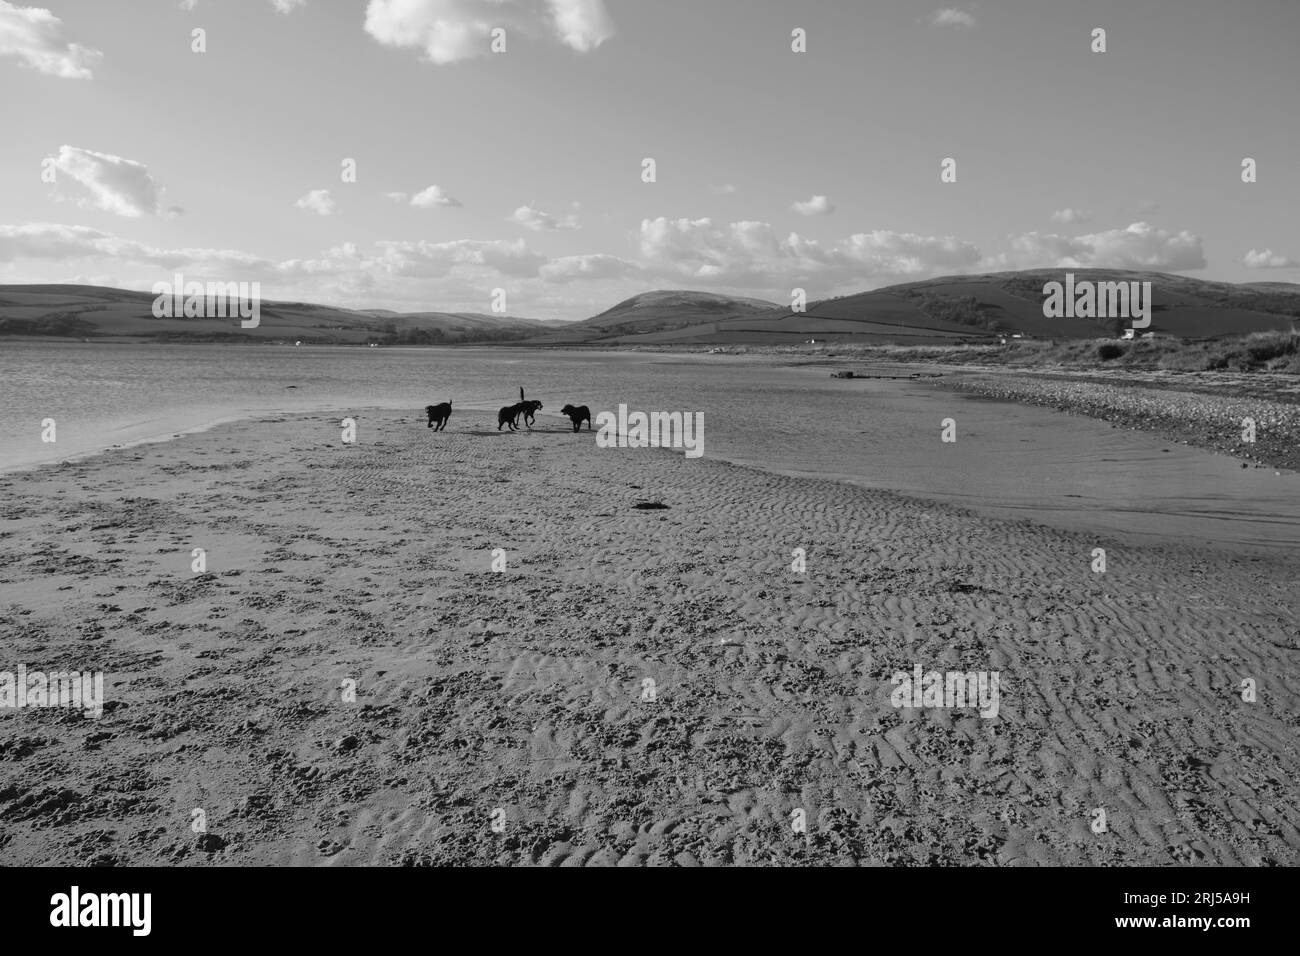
{"x": 739, "y": 434}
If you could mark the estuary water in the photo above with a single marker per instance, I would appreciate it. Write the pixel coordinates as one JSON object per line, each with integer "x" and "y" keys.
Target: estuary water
{"x": 1008, "y": 460}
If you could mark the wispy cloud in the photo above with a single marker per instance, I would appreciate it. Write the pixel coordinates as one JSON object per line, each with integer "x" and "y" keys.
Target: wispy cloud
{"x": 318, "y": 201}
{"x": 431, "y": 197}
{"x": 111, "y": 183}
{"x": 532, "y": 218}
{"x": 1267, "y": 259}
{"x": 1068, "y": 216}
{"x": 34, "y": 36}
{"x": 753, "y": 254}
{"x": 581, "y": 24}
{"x": 448, "y": 31}
{"x": 1138, "y": 246}
{"x": 590, "y": 268}
{"x": 281, "y": 6}
{"x": 952, "y": 17}
{"x": 817, "y": 206}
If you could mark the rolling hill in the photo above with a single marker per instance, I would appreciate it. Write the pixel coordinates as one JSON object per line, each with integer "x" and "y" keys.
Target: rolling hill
{"x": 933, "y": 311}
{"x": 664, "y": 311}
{"x": 107, "y": 314}
{"x": 941, "y": 310}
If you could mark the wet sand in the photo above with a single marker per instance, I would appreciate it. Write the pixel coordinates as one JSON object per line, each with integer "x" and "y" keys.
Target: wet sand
{"x": 518, "y": 700}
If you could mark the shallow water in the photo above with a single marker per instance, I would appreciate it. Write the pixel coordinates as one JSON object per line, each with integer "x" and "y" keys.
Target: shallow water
{"x": 1009, "y": 460}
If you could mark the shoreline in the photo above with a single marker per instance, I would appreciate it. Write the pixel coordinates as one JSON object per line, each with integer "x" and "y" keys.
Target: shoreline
{"x": 168, "y": 434}
{"x": 1198, "y": 415}
{"x": 1058, "y": 515}
{"x": 1214, "y": 423}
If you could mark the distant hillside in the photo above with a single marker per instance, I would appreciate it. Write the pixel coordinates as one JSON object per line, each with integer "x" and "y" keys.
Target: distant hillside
{"x": 974, "y": 308}
{"x": 658, "y": 312}
{"x": 936, "y": 311}
{"x": 1183, "y": 306}
{"x": 96, "y": 312}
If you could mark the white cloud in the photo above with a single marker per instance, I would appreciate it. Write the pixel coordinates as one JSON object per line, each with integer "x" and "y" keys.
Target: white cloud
{"x": 448, "y": 31}
{"x": 952, "y": 17}
{"x": 61, "y": 242}
{"x": 35, "y": 37}
{"x": 408, "y": 275}
{"x": 1139, "y": 246}
{"x": 593, "y": 267}
{"x": 751, "y": 254}
{"x": 318, "y": 201}
{"x": 431, "y": 259}
{"x": 281, "y": 6}
{"x": 817, "y": 206}
{"x": 1068, "y": 216}
{"x": 433, "y": 196}
{"x": 581, "y": 24}
{"x": 120, "y": 186}
{"x": 538, "y": 221}
{"x": 1268, "y": 260}
{"x": 746, "y": 257}
{"x": 388, "y": 259}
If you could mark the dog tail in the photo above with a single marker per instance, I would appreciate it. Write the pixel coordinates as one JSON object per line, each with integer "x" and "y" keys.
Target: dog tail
{"x": 521, "y": 393}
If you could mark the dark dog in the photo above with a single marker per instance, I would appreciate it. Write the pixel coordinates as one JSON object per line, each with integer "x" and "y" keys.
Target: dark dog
{"x": 509, "y": 414}
{"x": 528, "y": 410}
{"x": 525, "y": 408}
{"x": 438, "y": 415}
{"x": 577, "y": 415}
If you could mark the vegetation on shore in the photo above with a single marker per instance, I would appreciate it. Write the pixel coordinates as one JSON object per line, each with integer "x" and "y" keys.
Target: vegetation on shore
{"x": 1277, "y": 351}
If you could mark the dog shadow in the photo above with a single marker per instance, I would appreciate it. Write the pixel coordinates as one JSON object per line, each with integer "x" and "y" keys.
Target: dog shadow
{"x": 480, "y": 433}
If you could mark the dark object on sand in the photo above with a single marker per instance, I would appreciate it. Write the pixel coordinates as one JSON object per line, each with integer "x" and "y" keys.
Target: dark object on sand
{"x": 650, "y": 506}
{"x": 577, "y": 415}
{"x": 528, "y": 409}
{"x": 438, "y": 414}
{"x": 509, "y": 414}
{"x": 892, "y": 378}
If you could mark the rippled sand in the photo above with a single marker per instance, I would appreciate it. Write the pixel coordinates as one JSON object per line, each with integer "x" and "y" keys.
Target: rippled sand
{"x": 525, "y": 691}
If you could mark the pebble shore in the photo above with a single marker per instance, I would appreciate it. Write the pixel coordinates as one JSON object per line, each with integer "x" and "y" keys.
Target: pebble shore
{"x": 1214, "y": 422}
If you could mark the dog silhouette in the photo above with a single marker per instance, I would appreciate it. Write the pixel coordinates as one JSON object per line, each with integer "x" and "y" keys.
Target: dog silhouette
{"x": 438, "y": 415}
{"x": 509, "y": 413}
{"x": 577, "y": 415}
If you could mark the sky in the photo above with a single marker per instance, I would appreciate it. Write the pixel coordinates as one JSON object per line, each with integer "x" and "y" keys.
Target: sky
{"x": 129, "y": 156}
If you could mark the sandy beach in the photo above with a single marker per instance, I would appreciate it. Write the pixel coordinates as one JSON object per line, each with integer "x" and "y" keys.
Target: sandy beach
{"x": 506, "y": 716}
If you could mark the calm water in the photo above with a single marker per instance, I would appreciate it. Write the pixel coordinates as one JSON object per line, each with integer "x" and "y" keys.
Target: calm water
{"x": 1009, "y": 461}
